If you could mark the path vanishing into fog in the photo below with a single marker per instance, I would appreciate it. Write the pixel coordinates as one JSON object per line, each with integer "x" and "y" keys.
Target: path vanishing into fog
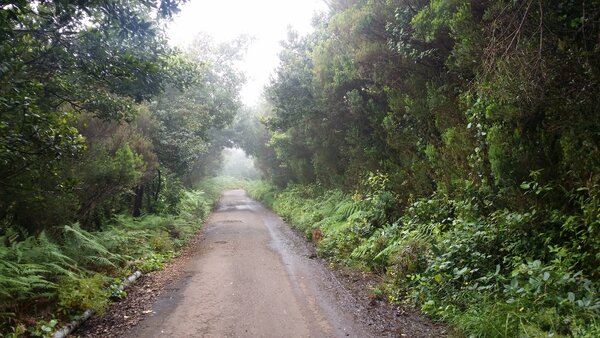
{"x": 253, "y": 277}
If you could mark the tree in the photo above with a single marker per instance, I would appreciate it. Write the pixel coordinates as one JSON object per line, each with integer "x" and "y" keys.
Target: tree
{"x": 64, "y": 58}
{"x": 186, "y": 117}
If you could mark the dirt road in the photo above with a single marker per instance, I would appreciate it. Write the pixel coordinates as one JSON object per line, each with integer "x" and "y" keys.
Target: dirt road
{"x": 253, "y": 277}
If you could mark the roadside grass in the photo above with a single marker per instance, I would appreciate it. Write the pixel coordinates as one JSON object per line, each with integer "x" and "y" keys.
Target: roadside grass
{"x": 48, "y": 278}
{"x": 261, "y": 191}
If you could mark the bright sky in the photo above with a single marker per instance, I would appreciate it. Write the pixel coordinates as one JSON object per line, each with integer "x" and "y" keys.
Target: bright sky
{"x": 264, "y": 20}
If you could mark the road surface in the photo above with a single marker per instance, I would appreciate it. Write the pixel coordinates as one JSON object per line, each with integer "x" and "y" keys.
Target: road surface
{"x": 253, "y": 277}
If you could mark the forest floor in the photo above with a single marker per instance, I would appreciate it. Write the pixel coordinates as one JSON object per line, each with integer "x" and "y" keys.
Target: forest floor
{"x": 248, "y": 274}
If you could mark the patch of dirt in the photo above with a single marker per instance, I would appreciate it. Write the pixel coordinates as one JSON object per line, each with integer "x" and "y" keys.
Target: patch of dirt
{"x": 129, "y": 311}
{"x": 387, "y": 319}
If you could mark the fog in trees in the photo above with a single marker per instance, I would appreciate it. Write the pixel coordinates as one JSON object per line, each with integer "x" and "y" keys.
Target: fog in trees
{"x": 236, "y": 163}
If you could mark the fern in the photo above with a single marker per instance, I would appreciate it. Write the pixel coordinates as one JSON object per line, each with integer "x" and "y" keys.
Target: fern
{"x": 346, "y": 208}
{"x": 127, "y": 243}
{"x": 426, "y": 231}
{"x": 39, "y": 266}
{"x": 30, "y": 267}
{"x": 41, "y": 250}
{"x": 18, "y": 279}
{"x": 87, "y": 249}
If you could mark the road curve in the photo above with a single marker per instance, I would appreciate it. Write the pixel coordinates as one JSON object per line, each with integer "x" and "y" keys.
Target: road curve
{"x": 253, "y": 277}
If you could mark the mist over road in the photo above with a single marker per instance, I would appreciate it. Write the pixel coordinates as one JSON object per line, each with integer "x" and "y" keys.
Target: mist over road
{"x": 253, "y": 277}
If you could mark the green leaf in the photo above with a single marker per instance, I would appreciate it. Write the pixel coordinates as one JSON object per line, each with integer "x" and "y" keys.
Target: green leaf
{"x": 546, "y": 276}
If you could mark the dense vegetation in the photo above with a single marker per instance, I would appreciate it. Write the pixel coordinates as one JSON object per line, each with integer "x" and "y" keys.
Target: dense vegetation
{"x": 452, "y": 146}
{"x": 105, "y": 132}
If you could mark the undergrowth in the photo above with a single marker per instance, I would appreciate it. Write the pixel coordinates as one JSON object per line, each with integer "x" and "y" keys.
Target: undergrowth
{"x": 51, "y": 277}
{"x": 499, "y": 273}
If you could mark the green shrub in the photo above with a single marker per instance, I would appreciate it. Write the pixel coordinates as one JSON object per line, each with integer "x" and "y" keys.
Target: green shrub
{"x": 43, "y": 328}
{"x": 161, "y": 242}
{"x": 262, "y": 191}
{"x": 30, "y": 268}
{"x": 194, "y": 205}
{"x": 86, "y": 249}
{"x": 84, "y": 292}
{"x": 155, "y": 261}
{"x": 490, "y": 273}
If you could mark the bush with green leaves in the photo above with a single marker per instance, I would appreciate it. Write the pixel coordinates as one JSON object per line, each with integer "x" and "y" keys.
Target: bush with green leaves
{"x": 155, "y": 261}
{"x": 495, "y": 275}
{"x": 82, "y": 293}
{"x": 262, "y": 191}
{"x": 43, "y": 328}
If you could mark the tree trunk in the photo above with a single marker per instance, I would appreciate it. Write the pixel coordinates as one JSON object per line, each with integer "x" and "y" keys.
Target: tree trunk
{"x": 137, "y": 203}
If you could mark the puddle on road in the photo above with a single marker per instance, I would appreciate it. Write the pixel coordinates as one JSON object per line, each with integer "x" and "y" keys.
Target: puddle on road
{"x": 240, "y": 205}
